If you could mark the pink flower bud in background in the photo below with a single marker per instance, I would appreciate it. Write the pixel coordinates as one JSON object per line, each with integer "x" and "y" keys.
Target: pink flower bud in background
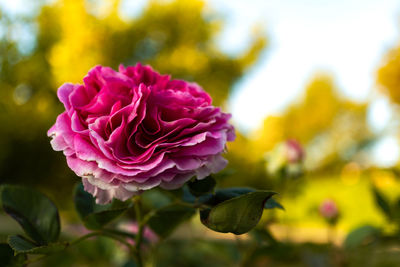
{"x": 287, "y": 156}
{"x": 294, "y": 151}
{"x": 329, "y": 210}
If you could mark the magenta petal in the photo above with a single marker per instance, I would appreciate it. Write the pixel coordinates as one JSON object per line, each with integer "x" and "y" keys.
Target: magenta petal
{"x": 131, "y": 130}
{"x": 61, "y": 133}
{"x": 210, "y": 146}
{"x": 63, "y": 94}
{"x": 185, "y": 164}
{"x": 178, "y": 181}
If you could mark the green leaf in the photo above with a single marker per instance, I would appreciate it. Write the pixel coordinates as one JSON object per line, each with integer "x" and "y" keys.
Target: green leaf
{"x": 7, "y": 257}
{"x": 165, "y": 220}
{"x": 226, "y": 194}
{"x": 202, "y": 187}
{"x": 237, "y": 215}
{"x": 36, "y": 214}
{"x": 96, "y": 216}
{"x": 22, "y": 245}
{"x": 271, "y": 203}
{"x": 382, "y": 202}
{"x": 188, "y": 197}
{"x": 362, "y": 235}
{"x": 216, "y": 198}
{"x": 155, "y": 199}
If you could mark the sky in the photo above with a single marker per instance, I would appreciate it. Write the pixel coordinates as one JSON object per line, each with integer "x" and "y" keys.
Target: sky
{"x": 346, "y": 38}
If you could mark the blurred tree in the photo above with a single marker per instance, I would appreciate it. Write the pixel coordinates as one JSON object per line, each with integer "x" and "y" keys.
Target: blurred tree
{"x": 175, "y": 37}
{"x": 388, "y": 76}
{"x": 332, "y": 129}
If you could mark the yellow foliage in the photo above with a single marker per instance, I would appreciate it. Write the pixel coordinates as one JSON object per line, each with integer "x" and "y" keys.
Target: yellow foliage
{"x": 323, "y": 121}
{"x": 351, "y": 173}
{"x": 388, "y": 75}
{"x": 194, "y": 61}
{"x": 272, "y": 133}
{"x": 383, "y": 179}
{"x": 315, "y": 112}
{"x": 81, "y": 38}
{"x": 77, "y": 51}
{"x": 175, "y": 37}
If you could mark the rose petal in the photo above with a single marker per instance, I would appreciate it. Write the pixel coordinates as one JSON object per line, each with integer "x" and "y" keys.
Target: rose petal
{"x": 129, "y": 131}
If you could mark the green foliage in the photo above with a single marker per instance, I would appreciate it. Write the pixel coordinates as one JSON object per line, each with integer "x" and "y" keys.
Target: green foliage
{"x": 130, "y": 263}
{"x": 99, "y": 252}
{"x": 262, "y": 235}
{"x": 96, "y": 216}
{"x": 382, "y": 203}
{"x": 7, "y": 257}
{"x": 235, "y": 210}
{"x": 165, "y": 220}
{"x": 36, "y": 214}
{"x": 155, "y": 199}
{"x": 361, "y": 236}
{"x": 185, "y": 195}
{"x": 202, "y": 187}
{"x": 237, "y": 215}
{"x": 222, "y": 195}
{"x": 196, "y": 252}
{"x": 21, "y": 245}
{"x": 272, "y": 204}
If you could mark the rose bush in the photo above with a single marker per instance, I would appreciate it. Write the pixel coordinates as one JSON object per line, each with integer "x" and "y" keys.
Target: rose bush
{"x": 128, "y": 131}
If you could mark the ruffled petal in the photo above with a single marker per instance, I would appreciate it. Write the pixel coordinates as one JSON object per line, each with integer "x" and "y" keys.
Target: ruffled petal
{"x": 131, "y": 130}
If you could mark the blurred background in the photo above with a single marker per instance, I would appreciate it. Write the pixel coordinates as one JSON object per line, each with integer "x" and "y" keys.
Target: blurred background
{"x": 316, "y": 78}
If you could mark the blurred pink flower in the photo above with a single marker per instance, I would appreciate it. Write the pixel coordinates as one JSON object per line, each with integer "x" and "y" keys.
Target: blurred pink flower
{"x": 328, "y": 209}
{"x": 287, "y": 156}
{"x": 294, "y": 151}
{"x": 128, "y": 131}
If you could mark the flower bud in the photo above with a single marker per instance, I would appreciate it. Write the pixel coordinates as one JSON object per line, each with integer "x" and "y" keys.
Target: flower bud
{"x": 329, "y": 210}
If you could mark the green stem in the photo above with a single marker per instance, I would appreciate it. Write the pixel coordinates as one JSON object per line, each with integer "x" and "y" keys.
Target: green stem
{"x": 331, "y": 234}
{"x": 105, "y": 233}
{"x": 151, "y": 213}
{"x": 240, "y": 247}
{"x": 120, "y": 233}
{"x": 80, "y": 239}
{"x": 120, "y": 239}
{"x": 139, "y": 235}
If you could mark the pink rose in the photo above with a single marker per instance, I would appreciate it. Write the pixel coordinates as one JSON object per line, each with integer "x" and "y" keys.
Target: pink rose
{"x": 128, "y": 131}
